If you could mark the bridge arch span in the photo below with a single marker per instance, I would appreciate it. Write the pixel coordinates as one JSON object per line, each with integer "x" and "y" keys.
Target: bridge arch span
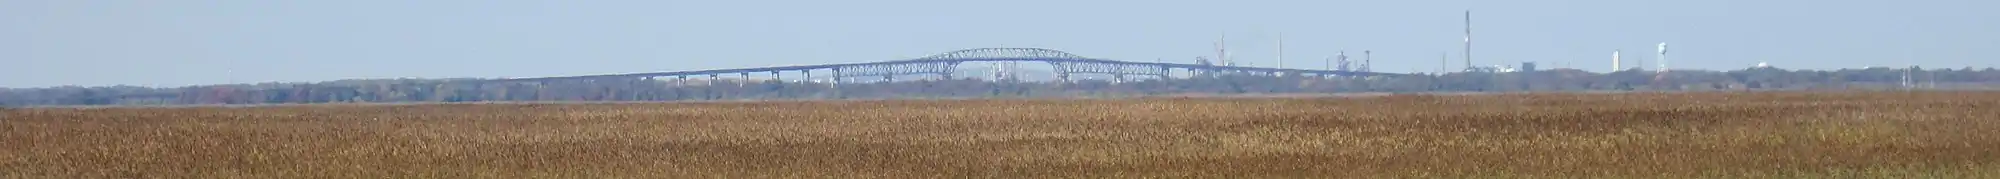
{"x": 1004, "y": 53}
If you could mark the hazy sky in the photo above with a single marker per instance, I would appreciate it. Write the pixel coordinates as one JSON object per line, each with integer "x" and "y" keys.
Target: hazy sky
{"x": 175, "y": 43}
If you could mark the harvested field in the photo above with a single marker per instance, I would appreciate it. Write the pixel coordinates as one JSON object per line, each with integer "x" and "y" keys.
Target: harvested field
{"x": 1754, "y": 135}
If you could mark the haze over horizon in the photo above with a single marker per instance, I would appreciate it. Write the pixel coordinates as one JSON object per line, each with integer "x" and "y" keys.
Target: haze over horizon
{"x": 164, "y": 43}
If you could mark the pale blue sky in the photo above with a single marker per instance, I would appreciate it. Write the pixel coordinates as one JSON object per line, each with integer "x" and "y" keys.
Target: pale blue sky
{"x": 175, "y": 43}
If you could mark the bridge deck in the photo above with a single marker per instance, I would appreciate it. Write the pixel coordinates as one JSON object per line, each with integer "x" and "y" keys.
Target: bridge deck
{"x": 951, "y": 61}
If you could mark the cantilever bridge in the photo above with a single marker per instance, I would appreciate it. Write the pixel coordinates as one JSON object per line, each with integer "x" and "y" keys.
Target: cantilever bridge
{"x": 944, "y": 64}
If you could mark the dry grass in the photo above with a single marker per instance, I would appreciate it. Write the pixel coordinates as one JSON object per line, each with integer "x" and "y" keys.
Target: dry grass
{"x": 1811, "y": 135}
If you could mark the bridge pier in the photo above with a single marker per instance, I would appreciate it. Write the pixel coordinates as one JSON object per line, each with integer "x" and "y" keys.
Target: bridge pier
{"x": 835, "y": 83}
{"x": 539, "y": 88}
{"x": 837, "y": 76}
{"x": 744, "y": 79}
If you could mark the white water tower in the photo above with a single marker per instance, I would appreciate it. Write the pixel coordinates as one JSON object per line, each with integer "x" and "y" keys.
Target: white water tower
{"x": 1663, "y": 57}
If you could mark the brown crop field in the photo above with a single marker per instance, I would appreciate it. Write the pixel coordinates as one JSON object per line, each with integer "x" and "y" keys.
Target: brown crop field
{"x": 1670, "y": 135}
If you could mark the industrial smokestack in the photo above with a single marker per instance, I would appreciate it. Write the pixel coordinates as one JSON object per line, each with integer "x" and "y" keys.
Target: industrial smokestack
{"x": 1367, "y": 61}
{"x": 1329, "y": 63}
{"x": 1615, "y": 66}
{"x": 1468, "y": 39}
{"x": 1281, "y": 50}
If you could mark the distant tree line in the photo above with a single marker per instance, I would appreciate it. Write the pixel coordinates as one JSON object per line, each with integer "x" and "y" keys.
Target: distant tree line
{"x": 473, "y": 90}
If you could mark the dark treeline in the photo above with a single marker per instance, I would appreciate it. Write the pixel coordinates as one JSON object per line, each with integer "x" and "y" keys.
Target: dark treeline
{"x": 470, "y": 90}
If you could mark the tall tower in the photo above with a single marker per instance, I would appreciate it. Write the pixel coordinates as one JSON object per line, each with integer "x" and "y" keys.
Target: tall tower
{"x": 1663, "y": 57}
{"x": 1367, "y": 61}
{"x": 1281, "y": 50}
{"x": 1468, "y": 40}
{"x": 1222, "y": 51}
{"x": 1341, "y": 57}
{"x": 1615, "y": 66}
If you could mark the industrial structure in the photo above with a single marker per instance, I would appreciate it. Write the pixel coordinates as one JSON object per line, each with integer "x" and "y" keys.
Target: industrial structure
{"x": 1663, "y": 57}
{"x": 1615, "y": 66}
{"x": 1468, "y": 42}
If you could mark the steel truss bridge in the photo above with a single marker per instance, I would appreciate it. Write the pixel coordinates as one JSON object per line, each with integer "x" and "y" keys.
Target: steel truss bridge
{"x": 943, "y": 65}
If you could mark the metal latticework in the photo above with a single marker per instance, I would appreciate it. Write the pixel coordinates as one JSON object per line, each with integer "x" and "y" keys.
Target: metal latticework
{"x": 889, "y": 71}
{"x": 1004, "y": 53}
{"x": 1064, "y": 69}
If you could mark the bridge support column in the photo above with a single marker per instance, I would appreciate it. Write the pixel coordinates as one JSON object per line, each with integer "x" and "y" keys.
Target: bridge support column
{"x": 777, "y": 77}
{"x": 539, "y": 88}
{"x": 835, "y": 83}
{"x": 743, "y": 78}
